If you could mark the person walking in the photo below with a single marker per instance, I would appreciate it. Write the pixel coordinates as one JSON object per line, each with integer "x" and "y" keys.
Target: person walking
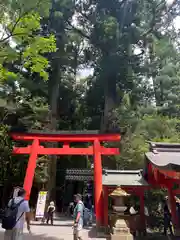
{"x": 50, "y": 212}
{"x": 78, "y": 217}
{"x": 15, "y": 215}
{"x": 167, "y": 219}
{"x": 71, "y": 209}
{"x": 86, "y": 217}
{"x": 178, "y": 209}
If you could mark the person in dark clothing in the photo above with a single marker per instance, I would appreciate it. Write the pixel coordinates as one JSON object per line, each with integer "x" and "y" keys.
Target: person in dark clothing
{"x": 178, "y": 211}
{"x": 71, "y": 208}
{"x": 167, "y": 219}
{"x": 88, "y": 202}
{"x": 50, "y": 212}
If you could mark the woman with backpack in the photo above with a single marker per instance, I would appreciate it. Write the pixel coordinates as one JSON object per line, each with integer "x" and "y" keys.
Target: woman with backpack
{"x": 14, "y": 217}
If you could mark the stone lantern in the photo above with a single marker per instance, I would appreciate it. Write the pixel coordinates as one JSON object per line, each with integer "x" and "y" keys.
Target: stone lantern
{"x": 120, "y": 229}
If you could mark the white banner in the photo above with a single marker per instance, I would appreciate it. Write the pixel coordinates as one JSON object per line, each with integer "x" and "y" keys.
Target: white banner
{"x": 41, "y": 204}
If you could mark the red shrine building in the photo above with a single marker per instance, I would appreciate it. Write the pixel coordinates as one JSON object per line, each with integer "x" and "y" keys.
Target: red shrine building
{"x": 163, "y": 170}
{"x": 162, "y": 166}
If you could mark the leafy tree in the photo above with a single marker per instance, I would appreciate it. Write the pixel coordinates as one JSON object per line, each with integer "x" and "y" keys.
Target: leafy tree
{"x": 21, "y": 43}
{"x": 166, "y": 78}
{"x": 139, "y": 128}
{"x": 114, "y": 29}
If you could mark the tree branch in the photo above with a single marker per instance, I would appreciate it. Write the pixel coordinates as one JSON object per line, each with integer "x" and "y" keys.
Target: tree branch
{"x": 153, "y": 23}
{"x": 78, "y": 30}
{"x": 11, "y": 33}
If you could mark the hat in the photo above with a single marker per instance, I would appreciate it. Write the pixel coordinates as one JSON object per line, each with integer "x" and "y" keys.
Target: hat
{"x": 79, "y": 196}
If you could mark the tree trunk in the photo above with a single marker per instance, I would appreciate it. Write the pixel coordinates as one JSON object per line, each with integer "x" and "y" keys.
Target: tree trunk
{"x": 153, "y": 73}
{"x": 107, "y": 117}
{"x": 54, "y": 95}
{"x": 109, "y": 103}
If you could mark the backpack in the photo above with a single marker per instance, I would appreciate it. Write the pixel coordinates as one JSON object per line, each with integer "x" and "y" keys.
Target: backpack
{"x": 83, "y": 208}
{"x": 9, "y": 219}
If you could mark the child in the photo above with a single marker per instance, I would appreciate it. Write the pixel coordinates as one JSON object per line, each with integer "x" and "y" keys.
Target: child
{"x": 50, "y": 212}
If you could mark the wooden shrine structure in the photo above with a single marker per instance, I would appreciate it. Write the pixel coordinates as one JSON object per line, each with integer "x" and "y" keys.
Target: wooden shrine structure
{"x": 132, "y": 181}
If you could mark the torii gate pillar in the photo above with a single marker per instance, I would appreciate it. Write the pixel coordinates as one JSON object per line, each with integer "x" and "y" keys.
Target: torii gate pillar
{"x": 98, "y": 183}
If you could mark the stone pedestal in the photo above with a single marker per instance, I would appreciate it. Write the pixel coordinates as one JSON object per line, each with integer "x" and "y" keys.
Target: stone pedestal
{"x": 121, "y": 229}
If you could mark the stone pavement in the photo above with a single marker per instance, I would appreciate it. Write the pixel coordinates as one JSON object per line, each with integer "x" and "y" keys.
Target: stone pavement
{"x": 62, "y": 230}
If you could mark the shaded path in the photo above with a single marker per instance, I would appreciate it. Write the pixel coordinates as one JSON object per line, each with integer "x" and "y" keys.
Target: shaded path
{"x": 62, "y": 230}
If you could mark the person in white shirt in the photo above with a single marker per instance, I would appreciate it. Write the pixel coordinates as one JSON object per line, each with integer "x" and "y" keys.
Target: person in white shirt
{"x": 23, "y": 214}
{"x": 146, "y": 212}
{"x": 132, "y": 211}
{"x": 50, "y": 212}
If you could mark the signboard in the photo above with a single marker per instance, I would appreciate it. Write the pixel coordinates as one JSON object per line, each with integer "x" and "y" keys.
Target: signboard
{"x": 41, "y": 203}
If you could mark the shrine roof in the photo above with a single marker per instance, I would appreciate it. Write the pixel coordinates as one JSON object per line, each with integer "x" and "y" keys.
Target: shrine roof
{"x": 123, "y": 178}
{"x": 164, "y": 155}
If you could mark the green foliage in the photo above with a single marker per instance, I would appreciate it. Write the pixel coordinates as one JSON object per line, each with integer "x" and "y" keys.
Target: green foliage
{"x": 6, "y": 150}
{"x": 33, "y": 57}
{"x": 5, "y": 141}
{"x": 138, "y": 130}
{"x": 13, "y": 8}
{"x": 30, "y": 47}
{"x": 6, "y": 75}
{"x": 41, "y": 174}
{"x": 26, "y": 25}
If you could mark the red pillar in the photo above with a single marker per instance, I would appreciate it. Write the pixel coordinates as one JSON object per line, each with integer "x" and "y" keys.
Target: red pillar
{"x": 172, "y": 203}
{"x": 105, "y": 202}
{"x": 28, "y": 181}
{"x": 98, "y": 183}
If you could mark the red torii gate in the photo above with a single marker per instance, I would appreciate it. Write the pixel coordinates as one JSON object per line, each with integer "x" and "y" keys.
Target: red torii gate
{"x": 96, "y": 150}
